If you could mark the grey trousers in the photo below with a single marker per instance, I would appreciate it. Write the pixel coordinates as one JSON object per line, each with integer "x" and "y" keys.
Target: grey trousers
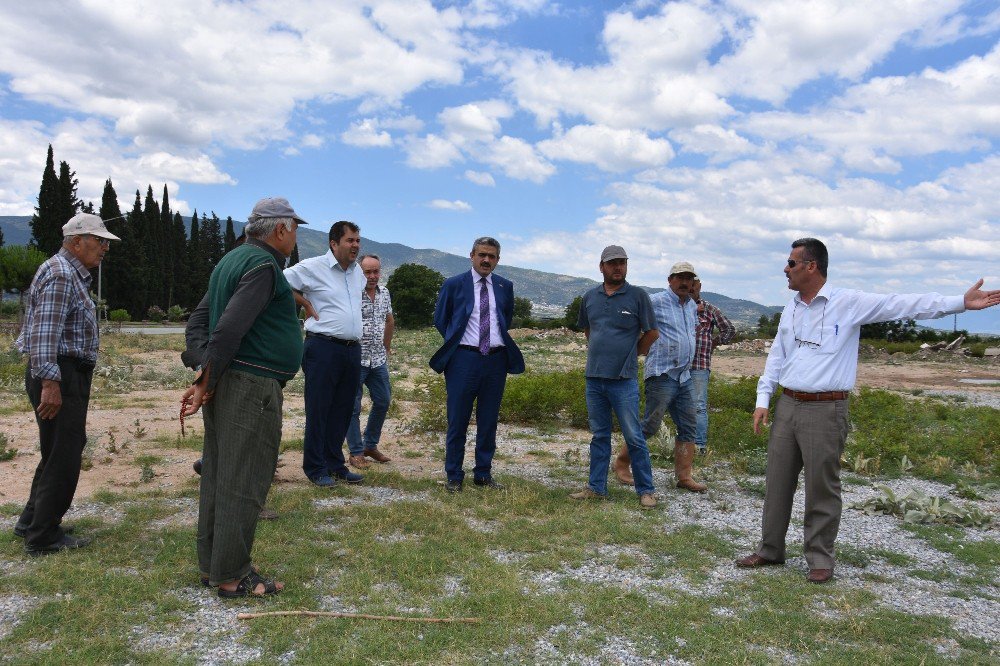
{"x": 810, "y": 436}
{"x": 242, "y": 435}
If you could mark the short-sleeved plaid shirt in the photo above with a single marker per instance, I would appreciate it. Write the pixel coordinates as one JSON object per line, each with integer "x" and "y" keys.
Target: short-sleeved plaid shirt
{"x": 61, "y": 318}
{"x": 703, "y": 345}
{"x": 373, "y": 316}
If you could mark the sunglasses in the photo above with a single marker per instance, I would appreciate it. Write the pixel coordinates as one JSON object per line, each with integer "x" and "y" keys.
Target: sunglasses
{"x": 793, "y": 263}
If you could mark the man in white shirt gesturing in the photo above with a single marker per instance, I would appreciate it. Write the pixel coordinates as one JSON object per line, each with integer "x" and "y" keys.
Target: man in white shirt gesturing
{"x": 814, "y": 358}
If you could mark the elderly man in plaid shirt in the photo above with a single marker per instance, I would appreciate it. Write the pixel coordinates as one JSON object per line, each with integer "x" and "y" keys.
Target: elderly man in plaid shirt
{"x": 710, "y": 319}
{"x": 60, "y": 337}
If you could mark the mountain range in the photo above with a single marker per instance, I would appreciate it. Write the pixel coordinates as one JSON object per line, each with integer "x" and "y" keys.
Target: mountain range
{"x": 549, "y": 293}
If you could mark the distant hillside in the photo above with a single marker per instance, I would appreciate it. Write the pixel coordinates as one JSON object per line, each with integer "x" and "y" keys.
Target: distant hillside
{"x": 550, "y": 293}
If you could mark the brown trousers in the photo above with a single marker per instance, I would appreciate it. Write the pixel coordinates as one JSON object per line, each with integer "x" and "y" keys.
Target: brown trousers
{"x": 809, "y": 436}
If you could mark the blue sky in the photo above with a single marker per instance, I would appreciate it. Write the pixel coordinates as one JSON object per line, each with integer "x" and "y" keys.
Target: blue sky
{"x": 714, "y": 132}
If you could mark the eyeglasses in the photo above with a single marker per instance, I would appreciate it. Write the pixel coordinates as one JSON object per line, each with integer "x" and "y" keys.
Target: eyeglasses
{"x": 102, "y": 241}
{"x": 799, "y": 334}
{"x": 792, "y": 263}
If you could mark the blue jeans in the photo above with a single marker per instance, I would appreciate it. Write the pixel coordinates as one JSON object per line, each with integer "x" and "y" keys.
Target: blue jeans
{"x": 700, "y": 380}
{"x": 663, "y": 395}
{"x": 377, "y": 381}
{"x": 622, "y": 396}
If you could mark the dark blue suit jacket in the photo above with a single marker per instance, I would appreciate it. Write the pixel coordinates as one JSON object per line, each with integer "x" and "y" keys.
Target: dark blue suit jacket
{"x": 452, "y": 312}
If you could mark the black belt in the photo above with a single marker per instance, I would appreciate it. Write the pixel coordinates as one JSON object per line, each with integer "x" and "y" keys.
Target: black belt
{"x": 493, "y": 350}
{"x": 77, "y": 362}
{"x": 339, "y": 341}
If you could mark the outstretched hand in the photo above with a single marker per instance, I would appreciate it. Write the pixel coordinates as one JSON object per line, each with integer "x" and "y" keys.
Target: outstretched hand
{"x": 978, "y": 299}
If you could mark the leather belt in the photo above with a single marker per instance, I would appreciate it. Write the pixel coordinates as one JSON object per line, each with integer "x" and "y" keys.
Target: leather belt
{"x": 339, "y": 341}
{"x": 493, "y": 350}
{"x": 825, "y": 396}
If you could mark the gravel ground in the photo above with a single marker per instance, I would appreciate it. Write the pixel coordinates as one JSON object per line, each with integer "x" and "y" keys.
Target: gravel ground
{"x": 209, "y": 631}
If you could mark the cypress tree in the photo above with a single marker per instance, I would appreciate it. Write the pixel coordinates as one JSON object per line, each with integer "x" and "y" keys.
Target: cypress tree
{"x": 194, "y": 265}
{"x": 178, "y": 236}
{"x": 136, "y": 298}
{"x": 87, "y": 208}
{"x": 230, "y": 240}
{"x": 114, "y": 268}
{"x": 1, "y": 237}
{"x": 211, "y": 238}
{"x": 68, "y": 204}
{"x": 46, "y": 232}
{"x": 170, "y": 257}
{"x": 153, "y": 244}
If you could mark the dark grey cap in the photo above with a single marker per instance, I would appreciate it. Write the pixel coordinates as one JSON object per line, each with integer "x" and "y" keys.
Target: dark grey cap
{"x": 274, "y": 207}
{"x": 613, "y": 252}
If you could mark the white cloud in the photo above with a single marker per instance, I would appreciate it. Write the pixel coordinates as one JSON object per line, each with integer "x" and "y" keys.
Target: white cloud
{"x": 311, "y": 140}
{"x": 781, "y": 44}
{"x": 518, "y": 159}
{"x": 736, "y": 223}
{"x": 191, "y": 73}
{"x": 457, "y": 205}
{"x": 719, "y": 143}
{"x": 478, "y": 121}
{"x": 934, "y": 111}
{"x": 480, "y": 178}
{"x": 366, "y": 134}
{"x": 608, "y": 149}
{"x": 430, "y": 152}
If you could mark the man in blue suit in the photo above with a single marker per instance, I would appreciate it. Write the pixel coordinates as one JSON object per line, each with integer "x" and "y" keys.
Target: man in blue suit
{"x": 473, "y": 313}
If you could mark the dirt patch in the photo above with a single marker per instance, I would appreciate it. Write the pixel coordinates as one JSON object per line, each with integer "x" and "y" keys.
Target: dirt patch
{"x": 128, "y": 429}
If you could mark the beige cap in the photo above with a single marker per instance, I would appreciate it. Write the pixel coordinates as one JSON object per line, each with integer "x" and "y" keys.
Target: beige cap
{"x": 683, "y": 267}
{"x": 86, "y": 223}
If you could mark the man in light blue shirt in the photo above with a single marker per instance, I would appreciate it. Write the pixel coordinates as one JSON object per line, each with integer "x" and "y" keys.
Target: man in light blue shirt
{"x": 329, "y": 287}
{"x": 668, "y": 374}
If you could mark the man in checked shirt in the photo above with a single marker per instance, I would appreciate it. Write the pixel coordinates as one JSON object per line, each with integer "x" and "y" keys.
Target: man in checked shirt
{"x": 712, "y": 326}
{"x": 60, "y": 337}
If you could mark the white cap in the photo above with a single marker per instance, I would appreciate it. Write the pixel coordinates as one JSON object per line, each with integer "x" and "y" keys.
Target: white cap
{"x": 85, "y": 223}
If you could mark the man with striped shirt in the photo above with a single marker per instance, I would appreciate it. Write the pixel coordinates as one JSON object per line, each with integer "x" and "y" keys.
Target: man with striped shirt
{"x": 712, "y": 326}
{"x": 60, "y": 337}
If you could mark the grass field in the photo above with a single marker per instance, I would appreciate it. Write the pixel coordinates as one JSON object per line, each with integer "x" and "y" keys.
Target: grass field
{"x": 550, "y": 580}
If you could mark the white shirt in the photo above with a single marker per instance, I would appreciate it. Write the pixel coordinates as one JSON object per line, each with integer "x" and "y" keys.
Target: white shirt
{"x": 816, "y": 348}
{"x": 471, "y": 335}
{"x": 335, "y": 294}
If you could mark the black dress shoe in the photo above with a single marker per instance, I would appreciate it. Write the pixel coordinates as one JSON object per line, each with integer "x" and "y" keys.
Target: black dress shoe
{"x": 65, "y": 543}
{"x": 21, "y": 529}
{"x": 453, "y": 486}
{"x": 197, "y": 466}
{"x": 489, "y": 483}
{"x": 349, "y": 477}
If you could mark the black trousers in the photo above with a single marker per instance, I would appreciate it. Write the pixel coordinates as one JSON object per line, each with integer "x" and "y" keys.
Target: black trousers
{"x": 61, "y": 440}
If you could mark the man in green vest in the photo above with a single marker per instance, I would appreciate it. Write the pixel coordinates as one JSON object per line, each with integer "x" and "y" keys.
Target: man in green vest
{"x": 254, "y": 348}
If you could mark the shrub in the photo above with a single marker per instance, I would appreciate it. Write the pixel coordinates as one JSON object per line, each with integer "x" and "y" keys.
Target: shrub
{"x": 176, "y": 313}
{"x": 119, "y": 316}
{"x": 156, "y": 314}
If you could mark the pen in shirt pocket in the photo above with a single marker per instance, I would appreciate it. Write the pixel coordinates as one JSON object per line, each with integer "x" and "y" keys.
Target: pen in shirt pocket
{"x": 836, "y": 329}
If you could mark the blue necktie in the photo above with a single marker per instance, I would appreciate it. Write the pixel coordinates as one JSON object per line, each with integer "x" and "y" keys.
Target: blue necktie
{"x": 484, "y": 318}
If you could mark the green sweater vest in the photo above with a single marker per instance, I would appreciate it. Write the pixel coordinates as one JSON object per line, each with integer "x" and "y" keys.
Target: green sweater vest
{"x": 273, "y": 345}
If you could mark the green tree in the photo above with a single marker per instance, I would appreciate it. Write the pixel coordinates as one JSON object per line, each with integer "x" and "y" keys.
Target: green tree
{"x": 18, "y": 264}
{"x": 767, "y": 327}
{"x": 136, "y": 300}
{"x": 115, "y": 269}
{"x": 229, "y": 241}
{"x": 1, "y": 237}
{"x": 211, "y": 240}
{"x": 68, "y": 204}
{"x": 153, "y": 245}
{"x": 900, "y": 330}
{"x": 46, "y": 232}
{"x": 522, "y": 312}
{"x": 573, "y": 314}
{"x": 414, "y": 289}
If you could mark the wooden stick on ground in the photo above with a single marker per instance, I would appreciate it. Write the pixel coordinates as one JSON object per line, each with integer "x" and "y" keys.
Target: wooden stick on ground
{"x": 358, "y": 616}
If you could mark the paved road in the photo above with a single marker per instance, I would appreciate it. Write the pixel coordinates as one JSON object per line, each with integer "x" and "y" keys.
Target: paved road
{"x": 152, "y": 330}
